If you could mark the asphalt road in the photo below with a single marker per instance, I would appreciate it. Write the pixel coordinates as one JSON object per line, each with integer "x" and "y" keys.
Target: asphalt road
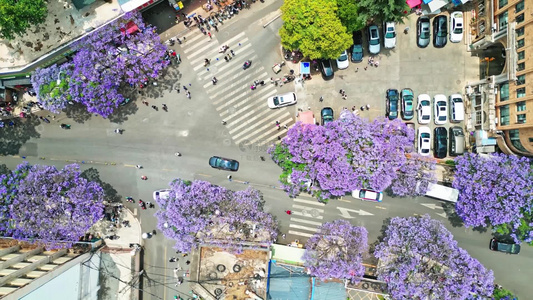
{"x": 193, "y": 128}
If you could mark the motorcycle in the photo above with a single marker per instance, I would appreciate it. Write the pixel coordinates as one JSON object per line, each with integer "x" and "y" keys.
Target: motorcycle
{"x": 64, "y": 126}
{"x": 129, "y": 199}
{"x": 246, "y": 64}
{"x": 142, "y": 204}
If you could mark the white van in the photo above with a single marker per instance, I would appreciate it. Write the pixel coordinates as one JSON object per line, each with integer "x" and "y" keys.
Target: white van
{"x": 442, "y": 192}
{"x": 457, "y": 108}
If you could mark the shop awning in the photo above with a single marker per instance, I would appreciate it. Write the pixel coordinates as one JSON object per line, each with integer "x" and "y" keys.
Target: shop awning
{"x": 427, "y": 1}
{"x": 131, "y": 28}
{"x": 437, "y": 4}
{"x": 413, "y": 3}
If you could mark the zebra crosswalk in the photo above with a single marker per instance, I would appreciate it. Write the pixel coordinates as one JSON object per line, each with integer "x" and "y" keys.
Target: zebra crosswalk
{"x": 245, "y": 111}
{"x": 306, "y": 217}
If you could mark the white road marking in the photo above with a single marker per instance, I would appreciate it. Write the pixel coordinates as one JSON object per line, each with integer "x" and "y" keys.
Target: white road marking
{"x": 312, "y": 229}
{"x": 306, "y": 221}
{"x": 300, "y": 233}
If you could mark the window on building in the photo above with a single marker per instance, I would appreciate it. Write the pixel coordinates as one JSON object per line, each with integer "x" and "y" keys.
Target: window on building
{"x": 502, "y": 3}
{"x": 502, "y": 21}
{"x": 531, "y": 140}
{"x": 504, "y": 92}
{"x": 519, "y": 6}
{"x": 521, "y": 106}
{"x": 521, "y": 55}
{"x": 521, "y": 119}
{"x": 520, "y": 66}
{"x": 521, "y": 92}
{"x": 521, "y": 79}
{"x": 504, "y": 115}
{"x": 520, "y": 43}
{"x": 519, "y": 32}
{"x": 520, "y": 18}
{"x": 514, "y": 136}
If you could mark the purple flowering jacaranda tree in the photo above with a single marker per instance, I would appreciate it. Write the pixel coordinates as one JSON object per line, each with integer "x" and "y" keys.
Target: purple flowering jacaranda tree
{"x": 106, "y": 61}
{"x": 53, "y": 207}
{"x": 199, "y": 212}
{"x": 419, "y": 259}
{"x": 493, "y": 189}
{"x": 337, "y": 251}
{"x": 347, "y": 154}
{"x": 414, "y": 176}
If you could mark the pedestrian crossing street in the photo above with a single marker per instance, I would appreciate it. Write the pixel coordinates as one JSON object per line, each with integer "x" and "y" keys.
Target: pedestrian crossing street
{"x": 306, "y": 217}
{"x": 245, "y": 111}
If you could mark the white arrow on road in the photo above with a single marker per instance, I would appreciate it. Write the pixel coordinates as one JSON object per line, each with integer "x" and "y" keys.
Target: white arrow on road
{"x": 431, "y": 205}
{"x": 345, "y": 212}
{"x": 442, "y": 215}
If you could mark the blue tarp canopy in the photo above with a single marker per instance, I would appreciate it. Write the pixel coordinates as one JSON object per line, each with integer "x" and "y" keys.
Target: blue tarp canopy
{"x": 427, "y": 1}
{"x": 305, "y": 68}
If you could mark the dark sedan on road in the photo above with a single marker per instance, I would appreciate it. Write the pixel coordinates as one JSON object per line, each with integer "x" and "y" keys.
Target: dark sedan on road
{"x": 392, "y": 104}
{"x": 408, "y": 108}
{"x": 440, "y": 31}
{"x": 510, "y": 248}
{"x": 422, "y": 32}
{"x": 440, "y": 142}
{"x": 327, "y": 115}
{"x": 224, "y": 163}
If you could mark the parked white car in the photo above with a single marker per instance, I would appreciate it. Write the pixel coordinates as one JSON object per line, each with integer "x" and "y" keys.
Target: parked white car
{"x": 368, "y": 195}
{"x": 424, "y": 109}
{"x": 440, "y": 109}
{"x": 424, "y": 140}
{"x": 281, "y": 100}
{"x": 389, "y": 35}
{"x": 457, "y": 108}
{"x": 456, "y": 27}
{"x": 342, "y": 61}
{"x": 163, "y": 194}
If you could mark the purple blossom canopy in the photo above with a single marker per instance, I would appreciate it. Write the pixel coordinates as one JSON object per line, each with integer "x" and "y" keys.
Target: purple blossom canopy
{"x": 419, "y": 259}
{"x": 493, "y": 189}
{"x": 346, "y": 154}
{"x": 55, "y": 207}
{"x": 105, "y": 62}
{"x": 414, "y": 176}
{"x": 337, "y": 251}
{"x": 199, "y": 212}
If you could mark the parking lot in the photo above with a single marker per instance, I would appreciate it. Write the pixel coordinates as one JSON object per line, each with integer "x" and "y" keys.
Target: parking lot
{"x": 427, "y": 70}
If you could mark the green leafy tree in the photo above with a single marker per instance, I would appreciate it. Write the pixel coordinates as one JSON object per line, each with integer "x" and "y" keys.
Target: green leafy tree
{"x": 351, "y": 17}
{"x": 312, "y": 26}
{"x": 384, "y": 10}
{"x": 16, "y": 16}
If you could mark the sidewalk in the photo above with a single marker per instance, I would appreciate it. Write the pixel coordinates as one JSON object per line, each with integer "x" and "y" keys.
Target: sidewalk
{"x": 125, "y": 259}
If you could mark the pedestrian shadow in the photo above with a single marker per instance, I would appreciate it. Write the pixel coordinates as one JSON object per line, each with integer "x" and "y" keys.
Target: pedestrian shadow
{"x": 110, "y": 194}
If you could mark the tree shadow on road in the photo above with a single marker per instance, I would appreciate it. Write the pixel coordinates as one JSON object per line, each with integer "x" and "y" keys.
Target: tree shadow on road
{"x": 12, "y": 139}
{"x": 111, "y": 195}
{"x": 453, "y": 217}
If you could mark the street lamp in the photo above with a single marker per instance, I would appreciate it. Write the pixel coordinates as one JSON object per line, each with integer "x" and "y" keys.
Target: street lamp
{"x": 59, "y": 77}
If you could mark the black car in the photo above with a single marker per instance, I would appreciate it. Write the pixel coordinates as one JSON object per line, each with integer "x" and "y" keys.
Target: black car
{"x": 327, "y": 115}
{"x": 440, "y": 31}
{"x": 440, "y": 142}
{"x": 326, "y": 68}
{"x": 501, "y": 246}
{"x": 224, "y": 163}
{"x": 357, "y": 48}
{"x": 392, "y": 104}
{"x": 423, "y": 32}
